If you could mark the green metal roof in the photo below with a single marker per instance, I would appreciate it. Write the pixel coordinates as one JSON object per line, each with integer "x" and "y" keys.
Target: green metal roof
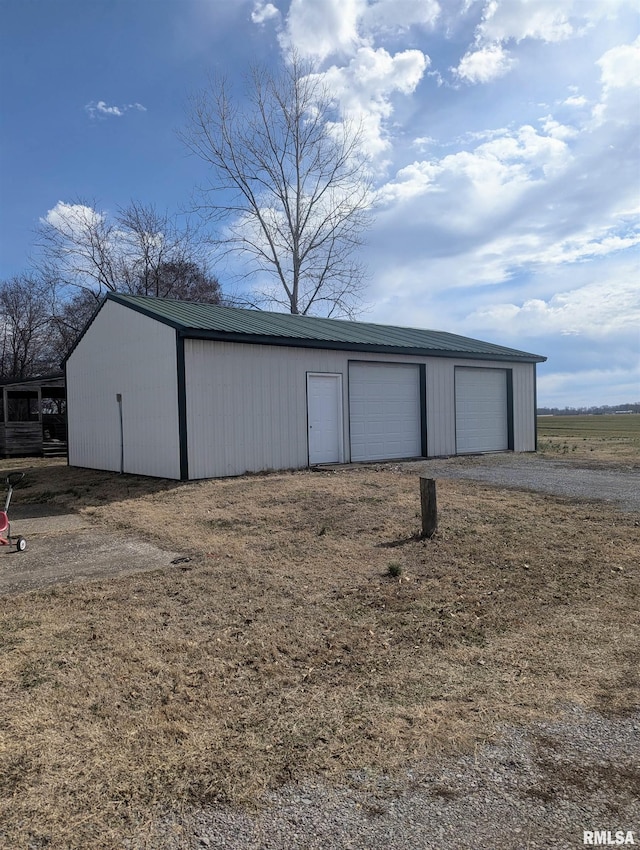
{"x": 207, "y": 321}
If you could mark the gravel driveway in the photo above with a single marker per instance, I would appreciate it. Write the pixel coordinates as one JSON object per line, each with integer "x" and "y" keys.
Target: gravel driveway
{"x": 533, "y": 789}
{"x": 620, "y": 485}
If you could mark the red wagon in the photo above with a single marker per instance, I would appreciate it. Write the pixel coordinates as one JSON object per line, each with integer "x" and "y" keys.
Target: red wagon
{"x": 6, "y": 539}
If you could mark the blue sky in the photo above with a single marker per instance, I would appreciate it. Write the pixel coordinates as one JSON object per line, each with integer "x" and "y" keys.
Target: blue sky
{"x": 504, "y": 135}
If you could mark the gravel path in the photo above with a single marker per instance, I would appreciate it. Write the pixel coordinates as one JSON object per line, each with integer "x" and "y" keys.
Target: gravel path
{"x": 620, "y": 486}
{"x": 538, "y": 788}
{"x": 534, "y": 788}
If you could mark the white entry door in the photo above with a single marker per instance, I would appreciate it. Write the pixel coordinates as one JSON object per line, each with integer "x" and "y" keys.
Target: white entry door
{"x": 324, "y": 417}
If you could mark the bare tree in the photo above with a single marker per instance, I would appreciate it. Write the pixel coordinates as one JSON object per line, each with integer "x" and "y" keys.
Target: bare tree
{"x": 25, "y": 340}
{"x": 177, "y": 279}
{"x": 185, "y": 280}
{"x": 159, "y": 258}
{"x": 77, "y": 242}
{"x": 291, "y": 183}
{"x": 69, "y": 316}
{"x": 140, "y": 251}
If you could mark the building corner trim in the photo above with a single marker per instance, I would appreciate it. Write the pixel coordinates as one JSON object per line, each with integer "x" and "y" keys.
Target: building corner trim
{"x": 535, "y": 408}
{"x": 182, "y": 408}
{"x": 510, "y": 421}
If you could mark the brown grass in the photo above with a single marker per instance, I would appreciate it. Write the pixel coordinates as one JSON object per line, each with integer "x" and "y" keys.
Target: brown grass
{"x": 283, "y": 648}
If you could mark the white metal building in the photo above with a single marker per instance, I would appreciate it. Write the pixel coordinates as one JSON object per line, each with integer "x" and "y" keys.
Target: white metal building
{"x": 186, "y": 391}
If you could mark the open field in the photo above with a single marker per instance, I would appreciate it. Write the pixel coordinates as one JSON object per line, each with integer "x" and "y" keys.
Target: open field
{"x": 284, "y": 648}
{"x": 600, "y": 439}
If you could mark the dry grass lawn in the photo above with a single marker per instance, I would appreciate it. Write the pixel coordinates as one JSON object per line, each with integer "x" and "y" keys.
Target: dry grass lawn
{"x": 284, "y": 648}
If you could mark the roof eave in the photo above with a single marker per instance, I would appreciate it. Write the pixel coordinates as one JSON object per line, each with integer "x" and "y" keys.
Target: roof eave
{"x": 140, "y": 308}
{"x": 125, "y": 302}
{"x": 338, "y": 345}
{"x": 63, "y": 363}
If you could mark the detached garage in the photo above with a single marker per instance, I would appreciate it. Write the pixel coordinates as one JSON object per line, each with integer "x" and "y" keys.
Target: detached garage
{"x": 186, "y": 391}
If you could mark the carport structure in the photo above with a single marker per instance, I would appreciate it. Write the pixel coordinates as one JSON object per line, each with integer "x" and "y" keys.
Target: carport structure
{"x": 33, "y": 417}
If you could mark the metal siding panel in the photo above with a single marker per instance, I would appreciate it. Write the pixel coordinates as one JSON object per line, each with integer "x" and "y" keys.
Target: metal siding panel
{"x": 246, "y": 404}
{"x": 124, "y": 352}
{"x": 440, "y": 408}
{"x": 524, "y": 412}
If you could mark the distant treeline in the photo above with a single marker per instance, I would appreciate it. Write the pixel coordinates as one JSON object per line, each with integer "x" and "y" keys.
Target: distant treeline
{"x": 584, "y": 411}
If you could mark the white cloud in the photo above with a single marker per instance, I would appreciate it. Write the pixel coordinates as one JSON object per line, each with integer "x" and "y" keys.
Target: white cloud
{"x": 400, "y": 15}
{"x": 546, "y": 20}
{"x": 504, "y": 22}
{"x": 596, "y": 310}
{"x": 576, "y": 100}
{"x": 263, "y": 12}
{"x": 558, "y": 131}
{"x": 509, "y": 22}
{"x": 524, "y": 204}
{"x": 486, "y": 64}
{"x": 325, "y": 27}
{"x": 519, "y": 211}
{"x": 620, "y": 66}
{"x": 422, "y": 142}
{"x": 366, "y": 85}
{"x": 620, "y": 76}
{"x": 99, "y": 109}
{"x": 491, "y": 177}
{"x": 364, "y": 75}
{"x": 72, "y": 218}
{"x": 523, "y": 198}
{"x": 575, "y": 388}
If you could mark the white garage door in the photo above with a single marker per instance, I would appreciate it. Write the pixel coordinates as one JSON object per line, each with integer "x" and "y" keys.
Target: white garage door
{"x": 384, "y": 411}
{"x": 481, "y": 410}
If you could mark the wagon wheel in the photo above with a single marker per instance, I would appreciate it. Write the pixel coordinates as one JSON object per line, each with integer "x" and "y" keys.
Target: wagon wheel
{"x": 21, "y": 544}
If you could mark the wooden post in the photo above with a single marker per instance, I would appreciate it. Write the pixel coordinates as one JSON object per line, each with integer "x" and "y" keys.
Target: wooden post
{"x": 429, "y": 506}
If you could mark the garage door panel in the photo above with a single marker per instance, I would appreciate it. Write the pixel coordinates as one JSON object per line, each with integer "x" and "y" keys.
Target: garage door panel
{"x": 481, "y": 410}
{"x": 384, "y": 410}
